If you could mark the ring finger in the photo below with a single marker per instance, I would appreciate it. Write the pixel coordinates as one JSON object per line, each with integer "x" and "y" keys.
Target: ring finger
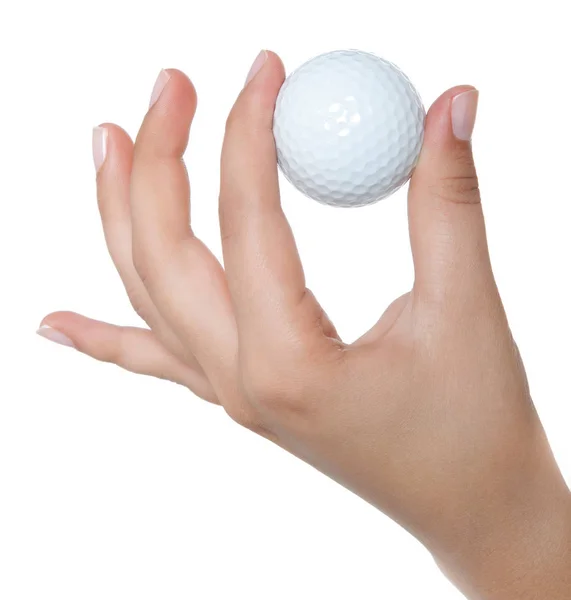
{"x": 113, "y": 190}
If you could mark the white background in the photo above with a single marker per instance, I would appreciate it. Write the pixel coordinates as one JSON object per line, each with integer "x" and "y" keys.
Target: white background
{"x": 120, "y": 487}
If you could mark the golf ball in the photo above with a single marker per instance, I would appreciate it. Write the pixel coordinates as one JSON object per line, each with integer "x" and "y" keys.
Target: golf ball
{"x": 348, "y": 127}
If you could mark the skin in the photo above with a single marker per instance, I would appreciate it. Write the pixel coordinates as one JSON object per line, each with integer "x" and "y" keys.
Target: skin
{"x": 428, "y": 416}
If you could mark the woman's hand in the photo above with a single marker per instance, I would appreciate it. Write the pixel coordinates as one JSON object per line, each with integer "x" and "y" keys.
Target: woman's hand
{"x": 428, "y": 416}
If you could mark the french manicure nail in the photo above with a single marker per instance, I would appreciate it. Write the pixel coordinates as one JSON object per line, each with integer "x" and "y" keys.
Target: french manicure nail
{"x": 54, "y": 336}
{"x": 160, "y": 85}
{"x": 99, "y": 146}
{"x": 256, "y": 66}
{"x": 464, "y": 109}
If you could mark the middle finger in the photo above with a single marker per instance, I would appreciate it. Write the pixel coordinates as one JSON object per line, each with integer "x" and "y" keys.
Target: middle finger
{"x": 184, "y": 280}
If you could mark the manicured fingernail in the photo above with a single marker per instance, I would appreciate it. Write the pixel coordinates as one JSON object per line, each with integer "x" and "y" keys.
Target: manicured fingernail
{"x": 160, "y": 85}
{"x": 55, "y": 336}
{"x": 99, "y": 146}
{"x": 464, "y": 109}
{"x": 256, "y": 66}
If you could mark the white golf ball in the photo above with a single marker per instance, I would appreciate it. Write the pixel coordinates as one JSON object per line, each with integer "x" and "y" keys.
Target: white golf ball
{"x": 348, "y": 127}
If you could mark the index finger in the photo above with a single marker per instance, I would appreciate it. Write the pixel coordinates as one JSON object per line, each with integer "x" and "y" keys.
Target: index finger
{"x": 262, "y": 263}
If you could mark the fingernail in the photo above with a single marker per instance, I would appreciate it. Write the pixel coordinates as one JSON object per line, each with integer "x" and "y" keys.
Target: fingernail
{"x": 160, "y": 85}
{"x": 256, "y": 66}
{"x": 54, "y": 336}
{"x": 464, "y": 108}
{"x": 99, "y": 146}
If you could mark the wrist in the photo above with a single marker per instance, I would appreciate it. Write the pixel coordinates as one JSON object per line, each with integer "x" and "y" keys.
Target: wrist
{"x": 525, "y": 556}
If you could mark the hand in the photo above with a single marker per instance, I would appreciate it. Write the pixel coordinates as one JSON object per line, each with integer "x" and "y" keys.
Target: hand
{"x": 428, "y": 416}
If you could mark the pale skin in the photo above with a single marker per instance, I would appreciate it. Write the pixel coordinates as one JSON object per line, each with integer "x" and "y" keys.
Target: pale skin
{"x": 428, "y": 416}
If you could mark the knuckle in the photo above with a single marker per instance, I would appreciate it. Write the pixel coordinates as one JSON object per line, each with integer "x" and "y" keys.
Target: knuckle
{"x": 264, "y": 387}
{"x": 247, "y": 115}
{"x": 118, "y": 353}
{"x": 458, "y": 189}
{"x": 141, "y": 262}
{"x": 461, "y": 187}
{"x": 238, "y": 407}
{"x": 137, "y": 304}
{"x": 227, "y": 228}
{"x": 150, "y": 261}
{"x": 235, "y": 119}
{"x": 244, "y": 415}
{"x": 279, "y": 386}
{"x": 140, "y": 311}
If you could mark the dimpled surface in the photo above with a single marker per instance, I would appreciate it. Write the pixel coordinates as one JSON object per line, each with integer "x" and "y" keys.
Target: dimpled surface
{"x": 348, "y": 127}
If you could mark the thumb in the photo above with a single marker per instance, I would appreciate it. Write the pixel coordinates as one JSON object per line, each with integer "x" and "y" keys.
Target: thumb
{"x": 446, "y": 222}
